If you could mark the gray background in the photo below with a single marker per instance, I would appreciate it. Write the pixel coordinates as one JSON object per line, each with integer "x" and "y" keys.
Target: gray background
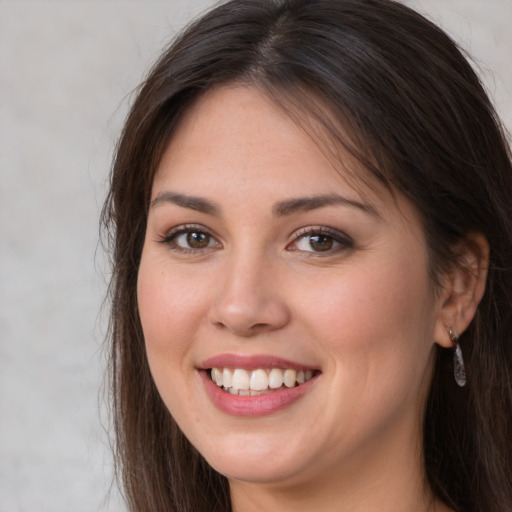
{"x": 66, "y": 71}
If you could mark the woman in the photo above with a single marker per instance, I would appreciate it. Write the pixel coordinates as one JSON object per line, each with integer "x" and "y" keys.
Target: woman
{"x": 312, "y": 243}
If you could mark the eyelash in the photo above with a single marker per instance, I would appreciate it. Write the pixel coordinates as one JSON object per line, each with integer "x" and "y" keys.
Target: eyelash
{"x": 343, "y": 241}
{"x": 170, "y": 238}
{"x": 339, "y": 240}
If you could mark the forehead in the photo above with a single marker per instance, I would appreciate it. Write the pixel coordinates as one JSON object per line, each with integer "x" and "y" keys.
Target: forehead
{"x": 236, "y": 141}
{"x": 251, "y": 134}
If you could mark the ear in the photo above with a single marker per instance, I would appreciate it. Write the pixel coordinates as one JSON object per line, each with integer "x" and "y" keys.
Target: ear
{"x": 463, "y": 288}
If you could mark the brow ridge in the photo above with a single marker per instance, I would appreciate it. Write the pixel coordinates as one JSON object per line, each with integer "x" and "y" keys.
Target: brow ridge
{"x": 280, "y": 209}
{"x": 304, "y": 204}
{"x": 199, "y": 204}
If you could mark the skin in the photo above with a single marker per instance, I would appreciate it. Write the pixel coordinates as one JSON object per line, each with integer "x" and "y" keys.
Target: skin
{"x": 363, "y": 312}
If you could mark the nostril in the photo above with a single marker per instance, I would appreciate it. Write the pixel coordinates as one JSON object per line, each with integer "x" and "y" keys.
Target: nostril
{"x": 242, "y": 330}
{"x": 259, "y": 327}
{"x": 249, "y": 317}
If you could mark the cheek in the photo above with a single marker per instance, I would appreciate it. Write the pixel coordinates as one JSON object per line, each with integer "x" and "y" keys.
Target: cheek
{"x": 376, "y": 322}
{"x": 170, "y": 309}
{"x": 376, "y": 328}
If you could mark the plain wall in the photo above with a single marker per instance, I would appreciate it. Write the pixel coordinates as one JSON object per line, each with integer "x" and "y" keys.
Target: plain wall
{"x": 66, "y": 71}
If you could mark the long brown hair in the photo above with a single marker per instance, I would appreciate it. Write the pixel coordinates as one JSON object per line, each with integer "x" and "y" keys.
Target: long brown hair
{"x": 419, "y": 120}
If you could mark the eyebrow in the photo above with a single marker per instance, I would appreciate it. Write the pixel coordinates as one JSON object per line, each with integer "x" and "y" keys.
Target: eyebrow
{"x": 280, "y": 209}
{"x": 194, "y": 203}
{"x": 304, "y": 204}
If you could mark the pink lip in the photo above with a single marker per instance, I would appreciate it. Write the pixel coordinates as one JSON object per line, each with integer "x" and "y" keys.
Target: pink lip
{"x": 250, "y": 362}
{"x": 261, "y": 405}
{"x": 235, "y": 405}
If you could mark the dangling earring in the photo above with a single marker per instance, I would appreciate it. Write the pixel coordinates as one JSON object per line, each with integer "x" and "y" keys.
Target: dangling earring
{"x": 459, "y": 370}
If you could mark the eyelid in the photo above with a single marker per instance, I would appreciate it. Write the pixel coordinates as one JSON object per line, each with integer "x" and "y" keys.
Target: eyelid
{"x": 172, "y": 234}
{"x": 342, "y": 240}
{"x": 338, "y": 236}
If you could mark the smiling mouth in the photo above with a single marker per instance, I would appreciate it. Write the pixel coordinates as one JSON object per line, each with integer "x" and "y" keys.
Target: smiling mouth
{"x": 241, "y": 382}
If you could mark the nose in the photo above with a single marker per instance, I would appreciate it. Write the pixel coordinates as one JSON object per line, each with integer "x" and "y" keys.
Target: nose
{"x": 249, "y": 301}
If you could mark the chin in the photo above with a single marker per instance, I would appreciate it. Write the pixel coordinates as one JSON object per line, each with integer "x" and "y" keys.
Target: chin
{"x": 254, "y": 471}
{"x": 256, "y": 460}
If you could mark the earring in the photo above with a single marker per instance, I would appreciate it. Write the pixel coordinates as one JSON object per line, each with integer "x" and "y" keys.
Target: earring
{"x": 459, "y": 370}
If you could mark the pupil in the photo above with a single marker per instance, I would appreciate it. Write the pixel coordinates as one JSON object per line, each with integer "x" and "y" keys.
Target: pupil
{"x": 198, "y": 240}
{"x": 321, "y": 242}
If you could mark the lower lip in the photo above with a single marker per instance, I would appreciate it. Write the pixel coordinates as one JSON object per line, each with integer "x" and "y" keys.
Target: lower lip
{"x": 261, "y": 405}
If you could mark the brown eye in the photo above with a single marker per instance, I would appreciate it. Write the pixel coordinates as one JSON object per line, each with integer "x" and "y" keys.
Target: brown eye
{"x": 197, "y": 240}
{"x": 190, "y": 239}
{"x": 321, "y": 242}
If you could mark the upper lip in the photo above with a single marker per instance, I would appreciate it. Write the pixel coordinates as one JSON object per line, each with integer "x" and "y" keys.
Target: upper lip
{"x": 251, "y": 362}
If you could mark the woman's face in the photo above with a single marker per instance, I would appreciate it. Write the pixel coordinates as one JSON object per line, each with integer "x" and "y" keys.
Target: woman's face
{"x": 261, "y": 261}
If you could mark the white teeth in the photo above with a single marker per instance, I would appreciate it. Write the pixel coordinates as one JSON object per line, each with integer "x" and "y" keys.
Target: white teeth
{"x": 227, "y": 378}
{"x": 290, "y": 376}
{"x": 244, "y": 392}
{"x": 275, "y": 378}
{"x": 240, "y": 379}
{"x": 217, "y": 377}
{"x": 257, "y": 382}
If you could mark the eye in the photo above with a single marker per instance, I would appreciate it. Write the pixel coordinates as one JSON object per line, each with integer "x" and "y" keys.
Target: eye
{"x": 190, "y": 239}
{"x": 320, "y": 240}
